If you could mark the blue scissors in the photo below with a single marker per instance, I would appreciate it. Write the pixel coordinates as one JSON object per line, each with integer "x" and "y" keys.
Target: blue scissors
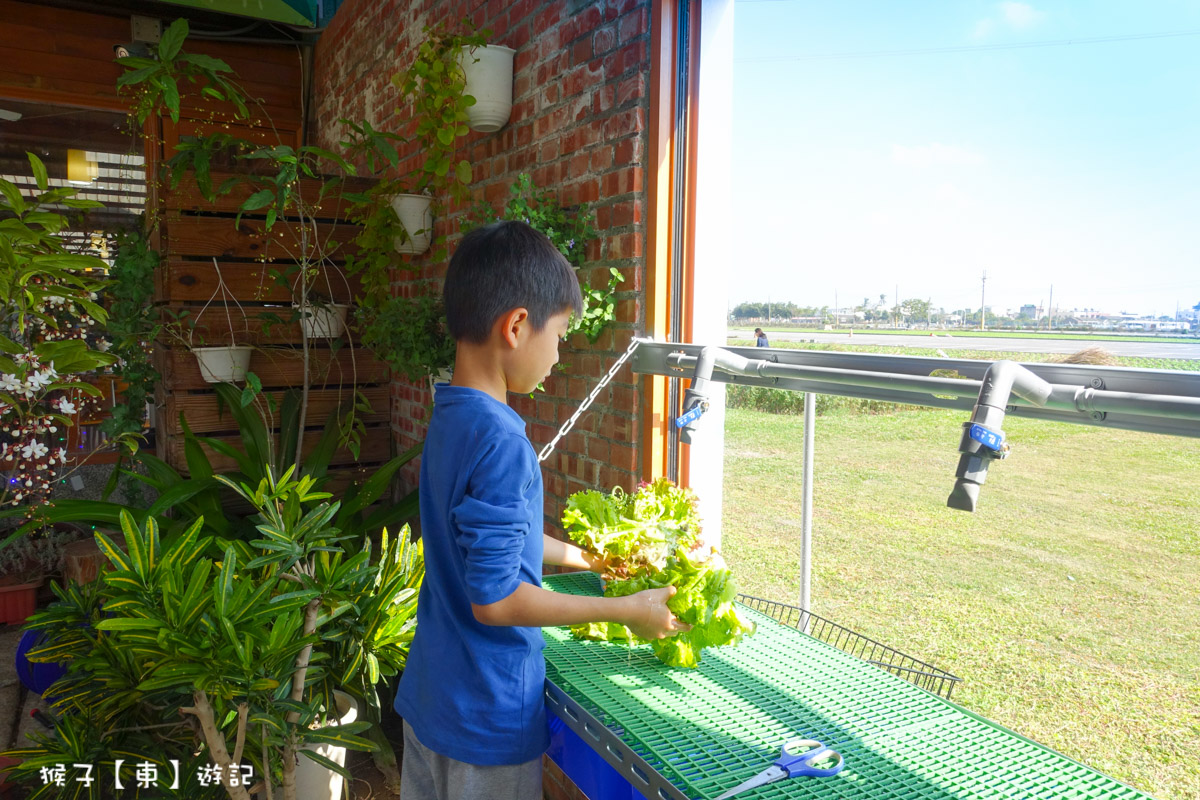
{"x": 797, "y": 758}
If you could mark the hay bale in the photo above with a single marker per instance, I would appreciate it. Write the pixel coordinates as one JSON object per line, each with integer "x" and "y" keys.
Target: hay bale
{"x": 1090, "y": 355}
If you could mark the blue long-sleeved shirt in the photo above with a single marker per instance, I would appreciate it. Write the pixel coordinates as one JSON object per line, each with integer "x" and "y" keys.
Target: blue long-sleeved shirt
{"x": 474, "y": 692}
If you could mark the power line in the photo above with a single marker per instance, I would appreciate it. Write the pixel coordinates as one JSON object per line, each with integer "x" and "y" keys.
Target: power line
{"x": 964, "y": 49}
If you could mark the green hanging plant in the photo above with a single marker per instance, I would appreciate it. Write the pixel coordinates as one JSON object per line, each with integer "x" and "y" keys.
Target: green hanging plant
{"x": 569, "y": 229}
{"x": 410, "y": 334}
{"x": 436, "y": 84}
{"x": 132, "y": 328}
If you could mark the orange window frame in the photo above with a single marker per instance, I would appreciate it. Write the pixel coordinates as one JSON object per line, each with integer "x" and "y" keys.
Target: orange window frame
{"x": 671, "y": 217}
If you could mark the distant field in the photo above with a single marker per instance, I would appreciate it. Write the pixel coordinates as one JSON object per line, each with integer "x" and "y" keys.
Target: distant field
{"x": 1068, "y": 602}
{"x": 994, "y": 334}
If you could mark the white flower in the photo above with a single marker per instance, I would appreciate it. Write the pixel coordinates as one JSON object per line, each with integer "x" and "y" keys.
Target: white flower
{"x": 61, "y": 455}
{"x": 34, "y": 450}
{"x": 103, "y": 345}
{"x": 66, "y": 406}
{"x": 10, "y": 383}
{"x": 43, "y": 378}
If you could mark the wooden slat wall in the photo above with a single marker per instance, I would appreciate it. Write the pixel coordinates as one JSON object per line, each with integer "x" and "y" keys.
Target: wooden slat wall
{"x": 60, "y": 56}
{"x": 65, "y": 56}
{"x": 192, "y": 232}
{"x": 191, "y": 236}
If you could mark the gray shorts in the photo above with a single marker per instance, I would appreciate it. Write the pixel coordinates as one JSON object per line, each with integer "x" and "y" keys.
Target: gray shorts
{"x": 426, "y": 775}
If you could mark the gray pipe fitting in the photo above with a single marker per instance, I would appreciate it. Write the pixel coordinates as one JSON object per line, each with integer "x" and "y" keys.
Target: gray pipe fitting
{"x": 982, "y": 439}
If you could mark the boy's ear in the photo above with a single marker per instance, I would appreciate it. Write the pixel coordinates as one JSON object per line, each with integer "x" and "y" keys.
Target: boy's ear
{"x": 510, "y": 325}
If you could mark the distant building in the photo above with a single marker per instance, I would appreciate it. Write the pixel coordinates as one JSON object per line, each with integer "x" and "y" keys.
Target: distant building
{"x": 1029, "y": 311}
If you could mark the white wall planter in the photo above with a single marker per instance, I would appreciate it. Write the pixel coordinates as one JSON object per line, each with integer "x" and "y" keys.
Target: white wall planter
{"x": 413, "y": 212}
{"x": 223, "y": 364}
{"x": 443, "y": 375}
{"x": 489, "y": 72}
{"x": 323, "y": 322}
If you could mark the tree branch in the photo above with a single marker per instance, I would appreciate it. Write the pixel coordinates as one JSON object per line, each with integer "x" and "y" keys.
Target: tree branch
{"x": 298, "y": 677}
{"x": 243, "y": 711}
{"x": 203, "y": 711}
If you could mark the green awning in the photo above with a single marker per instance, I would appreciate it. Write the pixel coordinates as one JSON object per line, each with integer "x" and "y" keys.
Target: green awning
{"x": 293, "y": 12}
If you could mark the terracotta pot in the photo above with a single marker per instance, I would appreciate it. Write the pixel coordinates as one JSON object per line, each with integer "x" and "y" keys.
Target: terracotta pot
{"x": 18, "y": 598}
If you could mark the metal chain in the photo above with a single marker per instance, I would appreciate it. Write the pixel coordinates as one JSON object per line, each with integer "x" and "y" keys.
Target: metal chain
{"x": 570, "y": 423}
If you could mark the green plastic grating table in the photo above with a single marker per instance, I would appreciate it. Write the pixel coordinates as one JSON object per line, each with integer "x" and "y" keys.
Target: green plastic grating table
{"x": 686, "y": 734}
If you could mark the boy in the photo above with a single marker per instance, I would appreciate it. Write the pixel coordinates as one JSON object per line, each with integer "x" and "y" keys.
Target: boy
{"x": 472, "y": 690}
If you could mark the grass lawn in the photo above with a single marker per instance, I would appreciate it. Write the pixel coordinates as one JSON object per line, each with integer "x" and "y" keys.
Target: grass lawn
{"x": 967, "y": 333}
{"x": 1069, "y": 603}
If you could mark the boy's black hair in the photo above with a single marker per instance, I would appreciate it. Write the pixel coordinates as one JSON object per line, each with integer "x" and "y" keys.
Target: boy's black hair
{"x": 503, "y": 266}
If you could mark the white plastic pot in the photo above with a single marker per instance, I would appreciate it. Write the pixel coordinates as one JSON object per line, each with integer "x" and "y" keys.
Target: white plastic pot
{"x": 223, "y": 364}
{"x": 313, "y": 781}
{"x": 443, "y": 375}
{"x": 413, "y": 212}
{"x": 323, "y": 322}
{"x": 489, "y": 72}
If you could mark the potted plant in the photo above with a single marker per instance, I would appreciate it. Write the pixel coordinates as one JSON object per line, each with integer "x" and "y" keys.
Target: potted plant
{"x": 321, "y": 317}
{"x": 234, "y": 663}
{"x": 227, "y": 363}
{"x": 488, "y": 78}
{"x": 415, "y": 215}
{"x": 24, "y": 565}
{"x": 436, "y": 84}
{"x": 410, "y": 334}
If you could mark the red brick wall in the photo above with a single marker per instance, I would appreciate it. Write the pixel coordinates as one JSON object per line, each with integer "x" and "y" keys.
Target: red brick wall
{"x": 579, "y": 126}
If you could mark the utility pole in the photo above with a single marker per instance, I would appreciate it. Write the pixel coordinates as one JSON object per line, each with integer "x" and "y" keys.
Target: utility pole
{"x": 1050, "y": 310}
{"x": 983, "y": 303}
{"x": 896, "y": 307}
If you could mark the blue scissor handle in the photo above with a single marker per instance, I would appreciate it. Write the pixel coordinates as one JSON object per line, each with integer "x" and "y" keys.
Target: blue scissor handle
{"x": 798, "y": 764}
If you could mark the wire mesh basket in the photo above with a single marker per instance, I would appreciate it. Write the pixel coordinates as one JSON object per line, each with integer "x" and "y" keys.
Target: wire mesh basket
{"x": 913, "y": 670}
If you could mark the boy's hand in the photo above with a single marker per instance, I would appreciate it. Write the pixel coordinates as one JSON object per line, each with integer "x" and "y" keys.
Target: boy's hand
{"x": 648, "y": 615}
{"x": 596, "y": 562}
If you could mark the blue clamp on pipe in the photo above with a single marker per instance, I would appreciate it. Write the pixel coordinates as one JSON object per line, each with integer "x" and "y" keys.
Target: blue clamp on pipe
{"x": 691, "y": 416}
{"x": 993, "y": 440}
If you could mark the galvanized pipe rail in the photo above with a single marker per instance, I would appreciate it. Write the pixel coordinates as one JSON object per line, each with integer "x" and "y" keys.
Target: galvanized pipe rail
{"x": 1155, "y": 401}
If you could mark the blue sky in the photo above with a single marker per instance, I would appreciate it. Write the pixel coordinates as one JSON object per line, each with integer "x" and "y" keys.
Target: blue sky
{"x": 856, "y": 168}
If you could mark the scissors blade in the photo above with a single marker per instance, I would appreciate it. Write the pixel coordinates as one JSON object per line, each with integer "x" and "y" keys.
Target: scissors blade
{"x": 768, "y": 775}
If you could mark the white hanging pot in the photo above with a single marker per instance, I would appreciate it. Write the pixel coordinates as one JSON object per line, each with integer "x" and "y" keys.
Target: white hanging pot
{"x": 443, "y": 375}
{"x": 413, "y": 212}
{"x": 489, "y": 72}
{"x": 313, "y": 781}
{"x": 323, "y": 322}
{"x": 223, "y": 364}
